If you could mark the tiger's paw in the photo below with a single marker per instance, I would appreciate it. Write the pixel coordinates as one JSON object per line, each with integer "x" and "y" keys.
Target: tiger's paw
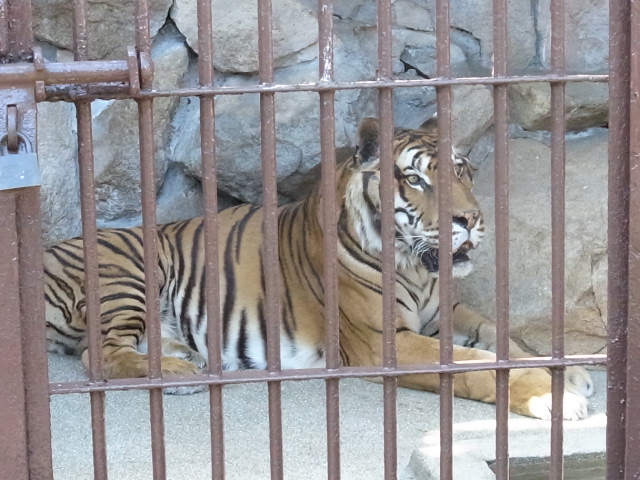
{"x": 172, "y": 366}
{"x": 574, "y": 406}
{"x": 578, "y": 380}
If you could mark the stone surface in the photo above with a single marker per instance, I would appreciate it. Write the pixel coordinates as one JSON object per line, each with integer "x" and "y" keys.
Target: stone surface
{"x": 110, "y": 24}
{"x": 587, "y": 35}
{"x": 475, "y": 17}
{"x": 297, "y": 126}
{"x": 57, "y": 154}
{"x": 586, "y": 105}
{"x": 530, "y": 243}
{"x": 115, "y": 132}
{"x": 235, "y": 32}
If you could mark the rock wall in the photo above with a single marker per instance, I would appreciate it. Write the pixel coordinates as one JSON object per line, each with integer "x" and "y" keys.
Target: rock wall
{"x": 295, "y": 41}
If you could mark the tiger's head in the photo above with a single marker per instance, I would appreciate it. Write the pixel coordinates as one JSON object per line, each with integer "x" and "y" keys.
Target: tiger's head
{"x": 415, "y": 154}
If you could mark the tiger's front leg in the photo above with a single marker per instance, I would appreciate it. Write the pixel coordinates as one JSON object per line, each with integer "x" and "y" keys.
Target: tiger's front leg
{"x": 473, "y": 330}
{"x": 529, "y": 388}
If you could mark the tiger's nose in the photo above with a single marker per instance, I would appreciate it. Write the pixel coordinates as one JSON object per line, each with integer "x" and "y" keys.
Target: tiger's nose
{"x": 467, "y": 219}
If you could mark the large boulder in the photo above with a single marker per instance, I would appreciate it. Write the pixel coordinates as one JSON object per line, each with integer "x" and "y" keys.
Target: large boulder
{"x": 530, "y": 243}
{"x": 115, "y": 132}
{"x": 238, "y": 145}
{"x": 587, "y": 34}
{"x": 586, "y": 105}
{"x": 110, "y": 24}
{"x": 235, "y": 32}
{"x": 57, "y": 155}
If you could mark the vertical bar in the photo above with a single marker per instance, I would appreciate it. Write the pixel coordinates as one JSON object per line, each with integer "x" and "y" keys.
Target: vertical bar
{"x": 557, "y": 235}
{"x": 618, "y": 233}
{"x": 330, "y": 231}
{"x": 150, "y": 241}
{"x": 445, "y": 167}
{"x": 16, "y": 39}
{"x": 34, "y": 343}
{"x": 4, "y": 29}
{"x": 500, "y": 40}
{"x": 387, "y": 194}
{"x": 19, "y": 27}
{"x": 13, "y": 461}
{"x": 92, "y": 295}
{"x": 90, "y": 249}
{"x": 271, "y": 266}
{"x": 210, "y": 193}
{"x": 632, "y": 459}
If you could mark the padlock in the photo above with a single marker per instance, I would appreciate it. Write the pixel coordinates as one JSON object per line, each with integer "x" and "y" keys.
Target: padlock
{"x": 20, "y": 169}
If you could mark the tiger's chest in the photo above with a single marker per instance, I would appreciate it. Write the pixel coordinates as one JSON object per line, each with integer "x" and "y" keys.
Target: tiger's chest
{"x": 418, "y": 297}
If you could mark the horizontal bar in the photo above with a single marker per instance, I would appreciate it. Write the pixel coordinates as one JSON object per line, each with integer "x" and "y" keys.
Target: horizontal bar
{"x": 252, "y": 376}
{"x": 56, "y": 94}
{"x": 60, "y": 73}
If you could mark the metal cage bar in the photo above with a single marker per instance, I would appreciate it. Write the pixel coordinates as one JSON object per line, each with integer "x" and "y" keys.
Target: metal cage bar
{"x": 632, "y": 459}
{"x": 557, "y": 234}
{"x": 500, "y": 107}
{"x": 387, "y": 195}
{"x": 445, "y": 219}
{"x": 271, "y": 267}
{"x": 212, "y": 265}
{"x": 618, "y": 234}
{"x": 90, "y": 249}
{"x": 150, "y": 246}
{"x": 330, "y": 234}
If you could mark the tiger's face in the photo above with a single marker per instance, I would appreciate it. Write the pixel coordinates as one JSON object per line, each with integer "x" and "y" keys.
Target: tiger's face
{"x": 416, "y": 199}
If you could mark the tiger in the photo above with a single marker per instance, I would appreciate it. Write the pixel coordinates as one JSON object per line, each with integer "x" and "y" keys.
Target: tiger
{"x": 181, "y": 264}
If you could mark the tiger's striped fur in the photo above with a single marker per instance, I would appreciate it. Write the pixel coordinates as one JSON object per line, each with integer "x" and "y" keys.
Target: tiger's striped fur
{"x": 242, "y": 284}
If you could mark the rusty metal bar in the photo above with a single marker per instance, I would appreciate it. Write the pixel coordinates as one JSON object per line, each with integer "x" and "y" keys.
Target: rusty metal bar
{"x": 330, "y": 232}
{"x": 90, "y": 250}
{"x": 445, "y": 168}
{"x": 79, "y": 72}
{"x": 92, "y": 290}
{"x": 618, "y": 234}
{"x": 632, "y": 459}
{"x": 255, "y": 376}
{"x": 70, "y": 93}
{"x": 557, "y": 235}
{"x": 17, "y": 36}
{"x": 34, "y": 348}
{"x": 271, "y": 265}
{"x": 500, "y": 93}
{"x": 4, "y": 29}
{"x": 387, "y": 232}
{"x": 150, "y": 241}
{"x": 210, "y": 194}
{"x": 13, "y": 461}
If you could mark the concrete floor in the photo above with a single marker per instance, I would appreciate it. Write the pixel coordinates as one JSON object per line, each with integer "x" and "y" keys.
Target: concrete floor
{"x": 247, "y": 442}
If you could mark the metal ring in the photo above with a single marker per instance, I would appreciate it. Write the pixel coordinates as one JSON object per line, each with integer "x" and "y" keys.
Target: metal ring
{"x": 22, "y": 138}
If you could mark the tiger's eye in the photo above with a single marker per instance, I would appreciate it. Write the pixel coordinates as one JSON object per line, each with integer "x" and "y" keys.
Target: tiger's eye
{"x": 413, "y": 179}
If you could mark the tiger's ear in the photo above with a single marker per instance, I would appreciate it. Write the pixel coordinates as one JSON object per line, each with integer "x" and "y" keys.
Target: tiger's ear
{"x": 430, "y": 125}
{"x": 368, "y": 140}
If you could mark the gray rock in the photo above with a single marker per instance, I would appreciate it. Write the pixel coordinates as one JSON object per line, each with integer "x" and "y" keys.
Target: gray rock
{"x": 586, "y": 105}
{"x": 586, "y": 31}
{"x": 475, "y": 17}
{"x": 472, "y": 114}
{"x": 235, "y": 32}
{"x": 409, "y": 14}
{"x": 116, "y": 141}
{"x": 110, "y": 24}
{"x": 57, "y": 154}
{"x": 297, "y": 126}
{"x": 530, "y": 243}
